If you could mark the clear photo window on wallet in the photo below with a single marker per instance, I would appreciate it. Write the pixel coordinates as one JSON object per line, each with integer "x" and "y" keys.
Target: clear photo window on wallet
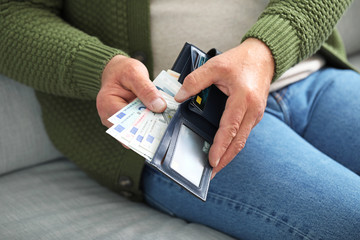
{"x": 189, "y": 159}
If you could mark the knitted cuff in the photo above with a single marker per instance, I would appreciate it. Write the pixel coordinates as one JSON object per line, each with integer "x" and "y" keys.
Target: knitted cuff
{"x": 280, "y": 37}
{"x": 88, "y": 66}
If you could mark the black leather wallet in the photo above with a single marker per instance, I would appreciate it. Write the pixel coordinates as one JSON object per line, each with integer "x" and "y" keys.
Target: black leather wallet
{"x": 183, "y": 151}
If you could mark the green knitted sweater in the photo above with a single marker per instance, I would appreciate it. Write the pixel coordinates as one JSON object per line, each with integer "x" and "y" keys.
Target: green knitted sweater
{"x": 60, "y": 48}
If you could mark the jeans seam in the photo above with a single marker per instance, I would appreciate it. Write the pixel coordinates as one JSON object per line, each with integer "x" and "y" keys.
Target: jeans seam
{"x": 314, "y": 106}
{"x": 261, "y": 212}
{"x": 282, "y": 101}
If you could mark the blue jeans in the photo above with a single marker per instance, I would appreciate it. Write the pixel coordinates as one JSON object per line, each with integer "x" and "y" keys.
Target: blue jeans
{"x": 296, "y": 178}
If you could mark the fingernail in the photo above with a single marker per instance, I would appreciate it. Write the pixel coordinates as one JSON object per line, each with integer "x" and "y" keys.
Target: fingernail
{"x": 181, "y": 95}
{"x": 217, "y": 162}
{"x": 213, "y": 174}
{"x": 158, "y": 105}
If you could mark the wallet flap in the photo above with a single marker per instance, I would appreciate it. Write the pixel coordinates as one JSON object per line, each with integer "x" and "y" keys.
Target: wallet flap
{"x": 182, "y": 64}
{"x": 183, "y": 153}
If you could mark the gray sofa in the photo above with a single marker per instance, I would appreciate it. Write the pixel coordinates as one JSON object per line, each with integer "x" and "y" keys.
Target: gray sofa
{"x": 45, "y": 196}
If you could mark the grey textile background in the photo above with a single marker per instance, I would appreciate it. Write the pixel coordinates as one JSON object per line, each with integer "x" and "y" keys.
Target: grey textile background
{"x": 57, "y": 201}
{"x": 349, "y": 28}
{"x": 355, "y": 60}
{"x": 23, "y": 140}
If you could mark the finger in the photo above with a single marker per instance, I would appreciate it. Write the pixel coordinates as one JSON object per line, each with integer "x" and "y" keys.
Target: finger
{"x": 228, "y": 128}
{"x": 238, "y": 142}
{"x": 146, "y": 91}
{"x": 258, "y": 119}
{"x": 108, "y": 104}
{"x": 213, "y": 173}
{"x": 196, "y": 81}
{"x": 124, "y": 145}
{"x": 114, "y": 105}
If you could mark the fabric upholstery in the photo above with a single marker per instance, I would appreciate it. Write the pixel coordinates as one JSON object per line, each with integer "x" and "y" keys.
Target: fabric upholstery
{"x": 58, "y": 201}
{"x": 355, "y": 60}
{"x": 349, "y": 30}
{"x": 23, "y": 140}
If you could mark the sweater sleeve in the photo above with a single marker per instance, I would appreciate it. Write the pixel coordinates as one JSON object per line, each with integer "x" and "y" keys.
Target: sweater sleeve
{"x": 40, "y": 49}
{"x": 294, "y": 30}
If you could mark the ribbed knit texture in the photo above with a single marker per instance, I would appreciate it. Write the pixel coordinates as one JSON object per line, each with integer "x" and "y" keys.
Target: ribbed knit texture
{"x": 61, "y": 49}
{"x": 294, "y": 30}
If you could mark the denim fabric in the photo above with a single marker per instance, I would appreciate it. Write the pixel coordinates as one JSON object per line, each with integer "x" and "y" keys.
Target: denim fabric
{"x": 296, "y": 177}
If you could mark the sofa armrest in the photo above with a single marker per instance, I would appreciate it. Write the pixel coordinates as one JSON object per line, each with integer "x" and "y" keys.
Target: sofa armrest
{"x": 23, "y": 140}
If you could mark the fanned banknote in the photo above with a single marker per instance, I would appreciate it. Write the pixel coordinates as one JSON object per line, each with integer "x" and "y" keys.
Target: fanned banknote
{"x": 140, "y": 129}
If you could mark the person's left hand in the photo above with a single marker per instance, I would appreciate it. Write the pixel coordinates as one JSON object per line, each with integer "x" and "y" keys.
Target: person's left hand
{"x": 244, "y": 74}
{"x": 122, "y": 80}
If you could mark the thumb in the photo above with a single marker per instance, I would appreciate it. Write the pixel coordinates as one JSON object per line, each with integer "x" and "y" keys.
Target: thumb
{"x": 149, "y": 95}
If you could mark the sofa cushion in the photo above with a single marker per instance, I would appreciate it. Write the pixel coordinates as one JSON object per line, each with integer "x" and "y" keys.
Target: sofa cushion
{"x": 58, "y": 201}
{"x": 23, "y": 140}
{"x": 349, "y": 30}
{"x": 355, "y": 60}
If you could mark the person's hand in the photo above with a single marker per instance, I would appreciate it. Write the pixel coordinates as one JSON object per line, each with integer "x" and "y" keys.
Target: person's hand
{"x": 244, "y": 74}
{"x": 124, "y": 79}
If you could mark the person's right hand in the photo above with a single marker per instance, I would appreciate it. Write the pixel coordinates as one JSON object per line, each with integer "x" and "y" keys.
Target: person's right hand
{"x": 244, "y": 74}
{"x": 124, "y": 79}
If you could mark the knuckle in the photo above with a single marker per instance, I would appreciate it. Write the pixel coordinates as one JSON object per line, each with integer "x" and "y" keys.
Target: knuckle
{"x": 132, "y": 69}
{"x": 258, "y": 111}
{"x": 239, "y": 144}
{"x": 232, "y": 126}
{"x": 222, "y": 65}
{"x": 252, "y": 97}
{"x": 259, "y": 119}
{"x": 255, "y": 103}
{"x": 191, "y": 80}
{"x": 146, "y": 91}
{"x": 232, "y": 129}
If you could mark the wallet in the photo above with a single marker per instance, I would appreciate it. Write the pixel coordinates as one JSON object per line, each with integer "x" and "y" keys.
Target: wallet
{"x": 182, "y": 154}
